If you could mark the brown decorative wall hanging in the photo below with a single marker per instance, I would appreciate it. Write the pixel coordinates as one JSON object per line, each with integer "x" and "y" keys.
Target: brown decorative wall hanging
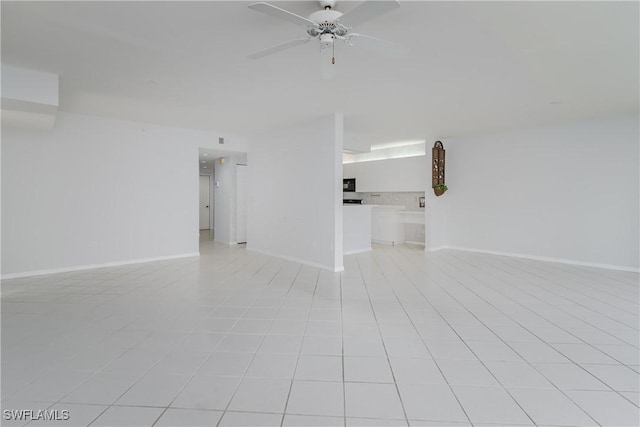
{"x": 437, "y": 169}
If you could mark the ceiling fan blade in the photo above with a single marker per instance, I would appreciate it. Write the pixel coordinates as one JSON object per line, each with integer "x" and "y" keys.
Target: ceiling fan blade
{"x": 380, "y": 46}
{"x": 366, "y": 11}
{"x": 278, "y": 48}
{"x": 328, "y": 67}
{"x": 282, "y": 14}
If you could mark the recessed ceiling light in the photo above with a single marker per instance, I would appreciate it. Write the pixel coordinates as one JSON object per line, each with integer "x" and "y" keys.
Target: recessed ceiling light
{"x": 205, "y": 154}
{"x": 204, "y": 161}
{"x": 204, "y": 167}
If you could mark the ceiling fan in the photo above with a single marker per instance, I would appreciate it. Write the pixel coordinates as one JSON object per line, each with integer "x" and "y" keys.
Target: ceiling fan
{"x": 328, "y": 25}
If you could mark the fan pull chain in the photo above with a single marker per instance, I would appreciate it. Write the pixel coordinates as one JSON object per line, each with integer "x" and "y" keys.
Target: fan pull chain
{"x": 333, "y": 47}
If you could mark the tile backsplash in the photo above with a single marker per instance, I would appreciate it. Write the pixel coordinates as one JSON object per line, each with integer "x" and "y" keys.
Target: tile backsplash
{"x": 410, "y": 199}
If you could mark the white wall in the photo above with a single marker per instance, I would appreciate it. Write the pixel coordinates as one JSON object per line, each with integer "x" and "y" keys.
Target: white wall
{"x": 568, "y": 192}
{"x": 29, "y": 99}
{"x": 225, "y": 197}
{"x": 435, "y": 222}
{"x": 97, "y": 191}
{"x": 295, "y": 196}
{"x": 36, "y": 87}
{"x": 403, "y": 174}
{"x": 355, "y": 143}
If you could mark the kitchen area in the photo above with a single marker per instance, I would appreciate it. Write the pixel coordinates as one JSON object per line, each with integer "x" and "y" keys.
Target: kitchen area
{"x": 384, "y": 202}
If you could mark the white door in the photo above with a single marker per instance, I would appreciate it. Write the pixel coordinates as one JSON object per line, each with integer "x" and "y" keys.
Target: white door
{"x": 241, "y": 204}
{"x": 204, "y": 202}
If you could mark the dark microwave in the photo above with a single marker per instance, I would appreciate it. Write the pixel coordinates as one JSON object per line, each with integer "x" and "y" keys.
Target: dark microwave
{"x": 349, "y": 184}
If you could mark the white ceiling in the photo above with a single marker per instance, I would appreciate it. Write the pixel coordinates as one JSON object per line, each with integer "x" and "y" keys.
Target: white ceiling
{"x": 474, "y": 67}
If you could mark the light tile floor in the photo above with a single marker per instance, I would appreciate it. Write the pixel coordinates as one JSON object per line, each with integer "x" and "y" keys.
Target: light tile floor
{"x": 400, "y": 338}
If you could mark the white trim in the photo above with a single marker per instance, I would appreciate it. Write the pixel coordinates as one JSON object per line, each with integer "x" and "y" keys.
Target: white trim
{"x": 436, "y": 249}
{"x": 298, "y": 260}
{"x": 93, "y": 266}
{"x": 357, "y": 251}
{"x": 388, "y": 242}
{"x": 543, "y": 258}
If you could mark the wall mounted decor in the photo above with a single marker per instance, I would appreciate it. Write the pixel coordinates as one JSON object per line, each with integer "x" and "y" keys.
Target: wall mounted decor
{"x": 437, "y": 169}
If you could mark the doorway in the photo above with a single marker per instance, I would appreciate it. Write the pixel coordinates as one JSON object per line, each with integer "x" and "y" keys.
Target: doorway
{"x": 205, "y": 202}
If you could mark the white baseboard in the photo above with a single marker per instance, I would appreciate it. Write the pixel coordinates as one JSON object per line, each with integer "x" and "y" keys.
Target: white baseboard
{"x": 542, "y": 258}
{"x": 93, "y": 266}
{"x": 435, "y": 249}
{"x": 357, "y": 251}
{"x": 298, "y": 260}
{"x": 387, "y": 242}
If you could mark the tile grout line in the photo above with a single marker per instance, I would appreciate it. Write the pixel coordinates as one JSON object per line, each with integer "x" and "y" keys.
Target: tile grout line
{"x": 344, "y": 386}
{"x": 387, "y": 353}
{"x": 295, "y": 369}
{"x": 508, "y": 345}
{"x": 573, "y": 301}
{"x": 426, "y": 347}
{"x": 579, "y": 365}
{"x": 257, "y": 348}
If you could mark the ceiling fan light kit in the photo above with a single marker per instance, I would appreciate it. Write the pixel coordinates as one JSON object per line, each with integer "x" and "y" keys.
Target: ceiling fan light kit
{"x": 326, "y": 40}
{"x": 328, "y": 24}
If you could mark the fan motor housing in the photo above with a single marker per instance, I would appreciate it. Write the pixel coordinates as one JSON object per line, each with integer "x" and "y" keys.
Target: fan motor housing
{"x": 326, "y": 21}
{"x": 327, "y": 4}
